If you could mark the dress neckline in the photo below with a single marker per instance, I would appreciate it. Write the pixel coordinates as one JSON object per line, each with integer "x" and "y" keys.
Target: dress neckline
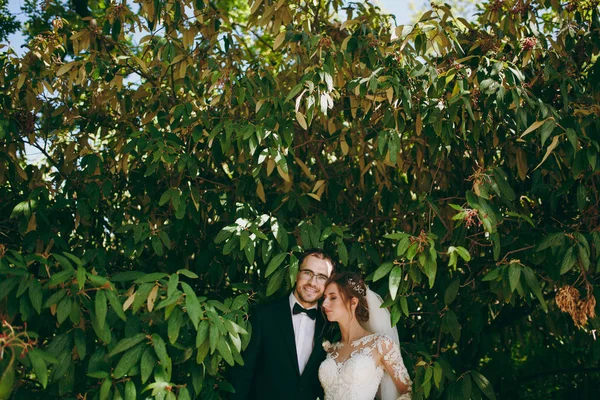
{"x": 336, "y": 346}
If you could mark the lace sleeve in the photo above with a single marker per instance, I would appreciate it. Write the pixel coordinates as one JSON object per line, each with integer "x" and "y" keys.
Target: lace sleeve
{"x": 391, "y": 359}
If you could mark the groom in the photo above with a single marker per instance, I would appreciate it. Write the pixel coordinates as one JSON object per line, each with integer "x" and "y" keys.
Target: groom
{"x": 284, "y": 353}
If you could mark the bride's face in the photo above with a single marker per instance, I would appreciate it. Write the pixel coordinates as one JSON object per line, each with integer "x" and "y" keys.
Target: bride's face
{"x": 334, "y": 306}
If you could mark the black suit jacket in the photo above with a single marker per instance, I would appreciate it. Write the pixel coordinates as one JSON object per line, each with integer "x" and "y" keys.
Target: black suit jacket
{"x": 270, "y": 368}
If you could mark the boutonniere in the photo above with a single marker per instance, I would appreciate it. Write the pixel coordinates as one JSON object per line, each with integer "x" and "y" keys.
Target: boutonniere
{"x": 326, "y": 345}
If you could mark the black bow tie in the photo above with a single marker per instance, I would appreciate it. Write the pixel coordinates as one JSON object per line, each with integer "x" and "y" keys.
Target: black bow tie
{"x": 312, "y": 313}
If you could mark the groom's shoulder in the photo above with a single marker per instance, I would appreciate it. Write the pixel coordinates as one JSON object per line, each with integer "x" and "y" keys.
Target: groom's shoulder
{"x": 270, "y": 306}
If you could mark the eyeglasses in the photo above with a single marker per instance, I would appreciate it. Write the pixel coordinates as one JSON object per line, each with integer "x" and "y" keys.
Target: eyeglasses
{"x": 307, "y": 275}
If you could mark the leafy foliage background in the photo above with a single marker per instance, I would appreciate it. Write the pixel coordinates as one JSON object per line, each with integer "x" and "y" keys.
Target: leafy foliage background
{"x": 453, "y": 163}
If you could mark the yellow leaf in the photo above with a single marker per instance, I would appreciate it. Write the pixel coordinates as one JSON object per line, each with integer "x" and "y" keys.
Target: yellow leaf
{"x": 260, "y": 191}
{"x": 259, "y": 105}
{"x": 526, "y": 58}
{"x": 128, "y": 302}
{"x": 283, "y": 174}
{"x": 152, "y": 298}
{"x": 304, "y": 168}
{"x": 279, "y": 40}
{"x": 141, "y": 63}
{"x": 349, "y": 23}
{"x": 270, "y": 166}
{"x": 255, "y": 6}
{"x": 419, "y": 124}
{"x": 21, "y": 81}
{"x": 32, "y": 224}
{"x": 522, "y": 164}
{"x": 318, "y": 185}
{"x": 534, "y": 126}
{"x": 65, "y": 68}
{"x": 314, "y": 196}
{"x": 549, "y": 151}
{"x": 301, "y": 120}
{"x": 390, "y": 94}
{"x": 344, "y": 146}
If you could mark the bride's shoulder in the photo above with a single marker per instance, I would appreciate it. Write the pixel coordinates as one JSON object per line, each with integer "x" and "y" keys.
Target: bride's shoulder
{"x": 384, "y": 342}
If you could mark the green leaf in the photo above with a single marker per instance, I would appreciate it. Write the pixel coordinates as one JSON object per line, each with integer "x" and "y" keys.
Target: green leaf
{"x": 100, "y": 308}
{"x": 450, "y": 324}
{"x": 451, "y": 291}
{"x": 403, "y": 245}
{"x": 166, "y": 196}
{"x": 437, "y": 374}
{"x": 581, "y": 197}
{"x": 172, "y": 285}
{"x": 39, "y": 366}
{"x": 223, "y": 235}
{"x": 188, "y": 273}
{"x": 80, "y": 343}
{"x": 274, "y": 263}
{"x": 484, "y": 385}
{"x": 514, "y": 274}
{"x": 59, "y": 277}
{"x": 157, "y": 245}
{"x": 174, "y": 325}
{"x": 275, "y": 282}
{"x": 130, "y": 391}
{"x": 64, "y": 262}
{"x": 225, "y": 351}
{"x": 382, "y": 271}
{"x": 116, "y": 304}
{"x": 502, "y": 180}
{"x": 147, "y": 364}
{"x": 342, "y": 252}
{"x": 160, "y": 349}
{"x": 126, "y": 276}
{"x": 35, "y": 295}
{"x": 396, "y": 235}
{"x": 534, "y": 285}
{"x": 554, "y": 239}
{"x": 128, "y": 360}
{"x": 202, "y": 334}
{"x": 63, "y": 309}
{"x": 81, "y": 275}
{"x": 394, "y": 281}
{"x": 126, "y": 344}
{"x": 463, "y": 253}
{"x": 141, "y": 295}
{"x": 105, "y": 389}
{"x": 568, "y": 261}
{"x": 213, "y": 338}
{"x": 192, "y": 305}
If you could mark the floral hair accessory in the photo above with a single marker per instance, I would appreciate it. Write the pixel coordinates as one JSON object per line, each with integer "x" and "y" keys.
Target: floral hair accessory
{"x": 357, "y": 287}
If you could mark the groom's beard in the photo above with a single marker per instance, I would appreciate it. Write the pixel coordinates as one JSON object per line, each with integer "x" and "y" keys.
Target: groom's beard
{"x": 309, "y": 294}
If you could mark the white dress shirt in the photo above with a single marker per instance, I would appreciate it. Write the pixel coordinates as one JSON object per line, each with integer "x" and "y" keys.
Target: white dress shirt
{"x": 304, "y": 332}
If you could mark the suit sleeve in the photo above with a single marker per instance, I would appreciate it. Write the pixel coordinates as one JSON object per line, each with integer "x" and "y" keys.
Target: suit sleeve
{"x": 242, "y": 377}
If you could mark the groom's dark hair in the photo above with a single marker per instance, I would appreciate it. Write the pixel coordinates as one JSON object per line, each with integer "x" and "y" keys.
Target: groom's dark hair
{"x": 318, "y": 253}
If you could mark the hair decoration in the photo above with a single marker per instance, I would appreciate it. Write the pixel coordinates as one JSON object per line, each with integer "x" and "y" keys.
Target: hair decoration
{"x": 357, "y": 287}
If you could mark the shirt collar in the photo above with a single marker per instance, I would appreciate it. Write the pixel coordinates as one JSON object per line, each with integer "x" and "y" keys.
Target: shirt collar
{"x": 294, "y": 300}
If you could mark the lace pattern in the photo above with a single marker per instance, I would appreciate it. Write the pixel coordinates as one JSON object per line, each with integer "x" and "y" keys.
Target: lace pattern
{"x": 357, "y": 377}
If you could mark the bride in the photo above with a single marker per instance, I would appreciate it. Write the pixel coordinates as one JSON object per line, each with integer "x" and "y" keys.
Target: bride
{"x": 367, "y": 362}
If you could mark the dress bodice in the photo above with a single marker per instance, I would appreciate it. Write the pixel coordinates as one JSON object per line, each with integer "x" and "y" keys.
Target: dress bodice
{"x": 358, "y": 376}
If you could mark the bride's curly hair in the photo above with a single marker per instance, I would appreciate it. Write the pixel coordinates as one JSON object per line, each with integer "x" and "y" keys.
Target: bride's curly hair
{"x": 350, "y": 284}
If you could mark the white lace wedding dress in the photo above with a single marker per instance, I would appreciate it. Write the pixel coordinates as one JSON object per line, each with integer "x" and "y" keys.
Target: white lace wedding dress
{"x": 357, "y": 377}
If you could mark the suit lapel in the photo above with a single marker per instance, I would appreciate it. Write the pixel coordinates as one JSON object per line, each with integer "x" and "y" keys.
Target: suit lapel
{"x": 287, "y": 328}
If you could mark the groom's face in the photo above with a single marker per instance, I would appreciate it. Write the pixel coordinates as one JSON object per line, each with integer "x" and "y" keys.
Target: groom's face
{"x": 310, "y": 280}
